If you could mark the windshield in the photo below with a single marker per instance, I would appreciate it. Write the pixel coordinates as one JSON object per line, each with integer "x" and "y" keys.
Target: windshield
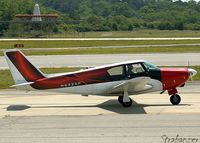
{"x": 149, "y": 66}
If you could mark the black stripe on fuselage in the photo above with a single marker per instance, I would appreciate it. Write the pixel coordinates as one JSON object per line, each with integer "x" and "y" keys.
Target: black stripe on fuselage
{"x": 155, "y": 74}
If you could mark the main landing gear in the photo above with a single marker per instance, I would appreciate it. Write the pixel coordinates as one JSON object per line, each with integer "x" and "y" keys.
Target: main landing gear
{"x": 125, "y": 100}
{"x": 126, "y": 103}
{"x": 175, "y": 99}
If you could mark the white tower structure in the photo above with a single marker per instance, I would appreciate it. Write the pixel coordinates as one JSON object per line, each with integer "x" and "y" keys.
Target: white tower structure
{"x": 36, "y": 13}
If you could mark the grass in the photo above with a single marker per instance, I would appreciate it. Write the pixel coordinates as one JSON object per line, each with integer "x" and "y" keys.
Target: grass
{"x": 88, "y": 51}
{"x": 130, "y": 34}
{"x": 59, "y": 70}
{"x": 71, "y": 44}
{"x": 88, "y": 44}
{"x": 197, "y": 68}
{"x": 7, "y": 81}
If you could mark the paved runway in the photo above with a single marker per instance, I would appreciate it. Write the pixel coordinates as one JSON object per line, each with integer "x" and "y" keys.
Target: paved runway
{"x": 160, "y": 59}
{"x": 128, "y": 128}
{"x": 20, "y": 103}
{"x": 32, "y": 104}
{"x": 37, "y": 117}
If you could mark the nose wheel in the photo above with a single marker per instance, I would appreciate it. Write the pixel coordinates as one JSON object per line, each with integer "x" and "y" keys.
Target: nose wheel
{"x": 175, "y": 99}
{"x": 125, "y": 104}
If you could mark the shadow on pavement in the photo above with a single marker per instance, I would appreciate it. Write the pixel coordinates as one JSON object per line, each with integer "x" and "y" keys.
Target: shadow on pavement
{"x": 110, "y": 105}
{"x": 17, "y": 107}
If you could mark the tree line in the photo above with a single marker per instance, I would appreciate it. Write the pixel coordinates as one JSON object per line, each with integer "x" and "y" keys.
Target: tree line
{"x": 110, "y": 15}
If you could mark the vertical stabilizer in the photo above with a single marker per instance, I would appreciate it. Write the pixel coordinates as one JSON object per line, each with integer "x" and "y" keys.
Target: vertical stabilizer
{"x": 21, "y": 68}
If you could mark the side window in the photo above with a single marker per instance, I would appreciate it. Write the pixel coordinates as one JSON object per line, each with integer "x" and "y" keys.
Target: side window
{"x": 116, "y": 71}
{"x": 134, "y": 69}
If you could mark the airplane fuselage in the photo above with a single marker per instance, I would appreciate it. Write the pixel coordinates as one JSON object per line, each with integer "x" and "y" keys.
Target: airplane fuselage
{"x": 120, "y": 79}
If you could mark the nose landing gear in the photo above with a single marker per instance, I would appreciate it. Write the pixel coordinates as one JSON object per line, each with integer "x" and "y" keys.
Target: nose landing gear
{"x": 175, "y": 99}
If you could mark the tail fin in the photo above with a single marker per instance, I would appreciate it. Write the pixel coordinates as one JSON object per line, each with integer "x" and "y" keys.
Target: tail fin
{"x": 21, "y": 68}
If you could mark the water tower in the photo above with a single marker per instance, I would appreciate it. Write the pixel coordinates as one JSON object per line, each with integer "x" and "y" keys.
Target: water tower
{"x": 36, "y": 12}
{"x": 37, "y": 16}
{"x": 35, "y": 24}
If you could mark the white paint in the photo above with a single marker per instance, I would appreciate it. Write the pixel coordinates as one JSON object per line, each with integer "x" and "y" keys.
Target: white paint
{"x": 18, "y": 78}
{"x": 103, "y": 89}
{"x": 36, "y": 12}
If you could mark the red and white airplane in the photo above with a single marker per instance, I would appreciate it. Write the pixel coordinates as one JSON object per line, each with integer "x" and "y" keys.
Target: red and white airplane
{"x": 120, "y": 79}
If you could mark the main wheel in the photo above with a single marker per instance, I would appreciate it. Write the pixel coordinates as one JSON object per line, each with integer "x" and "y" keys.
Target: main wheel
{"x": 125, "y": 104}
{"x": 175, "y": 99}
{"x": 120, "y": 99}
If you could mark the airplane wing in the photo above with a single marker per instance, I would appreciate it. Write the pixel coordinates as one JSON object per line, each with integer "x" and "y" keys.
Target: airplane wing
{"x": 132, "y": 85}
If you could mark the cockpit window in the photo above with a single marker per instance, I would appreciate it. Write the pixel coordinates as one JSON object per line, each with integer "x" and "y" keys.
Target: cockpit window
{"x": 149, "y": 66}
{"x": 116, "y": 71}
{"x": 134, "y": 69}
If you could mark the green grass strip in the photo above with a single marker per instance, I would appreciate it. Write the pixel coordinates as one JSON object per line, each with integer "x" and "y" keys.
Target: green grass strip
{"x": 66, "y": 44}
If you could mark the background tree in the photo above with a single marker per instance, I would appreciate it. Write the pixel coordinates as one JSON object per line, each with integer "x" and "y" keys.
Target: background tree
{"x": 108, "y": 15}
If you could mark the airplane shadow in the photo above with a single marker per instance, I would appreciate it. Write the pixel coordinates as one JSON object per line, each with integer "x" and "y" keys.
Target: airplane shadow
{"x": 110, "y": 105}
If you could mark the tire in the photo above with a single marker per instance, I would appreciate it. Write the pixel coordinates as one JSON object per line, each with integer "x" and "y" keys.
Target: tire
{"x": 125, "y": 104}
{"x": 175, "y": 99}
{"x": 120, "y": 99}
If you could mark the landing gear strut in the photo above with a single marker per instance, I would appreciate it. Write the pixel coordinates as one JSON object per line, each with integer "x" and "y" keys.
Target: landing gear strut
{"x": 125, "y": 104}
{"x": 175, "y": 99}
{"x": 125, "y": 100}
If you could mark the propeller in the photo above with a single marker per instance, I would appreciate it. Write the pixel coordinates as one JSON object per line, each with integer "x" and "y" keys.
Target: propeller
{"x": 191, "y": 71}
{"x": 190, "y": 76}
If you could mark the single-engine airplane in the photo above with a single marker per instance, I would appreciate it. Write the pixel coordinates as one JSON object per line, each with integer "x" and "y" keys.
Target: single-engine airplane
{"x": 120, "y": 79}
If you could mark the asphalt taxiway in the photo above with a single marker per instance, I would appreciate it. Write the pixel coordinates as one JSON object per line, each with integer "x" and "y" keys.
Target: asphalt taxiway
{"x": 20, "y": 103}
{"x": 35, "y": 104}
{"x": 37, "y": 117}
{"x": 161, "y": 59}
{"x": 129, "y": 128}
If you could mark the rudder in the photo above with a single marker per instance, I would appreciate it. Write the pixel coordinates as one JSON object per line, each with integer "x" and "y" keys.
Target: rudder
{"x": 21, "y": 68}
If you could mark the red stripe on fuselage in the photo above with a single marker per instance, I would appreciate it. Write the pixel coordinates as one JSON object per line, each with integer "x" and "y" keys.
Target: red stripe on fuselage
{"x": 82, "y": 78}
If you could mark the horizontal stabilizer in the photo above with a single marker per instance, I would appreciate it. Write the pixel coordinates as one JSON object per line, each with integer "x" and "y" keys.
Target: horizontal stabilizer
{"x": 23, "y": 86}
